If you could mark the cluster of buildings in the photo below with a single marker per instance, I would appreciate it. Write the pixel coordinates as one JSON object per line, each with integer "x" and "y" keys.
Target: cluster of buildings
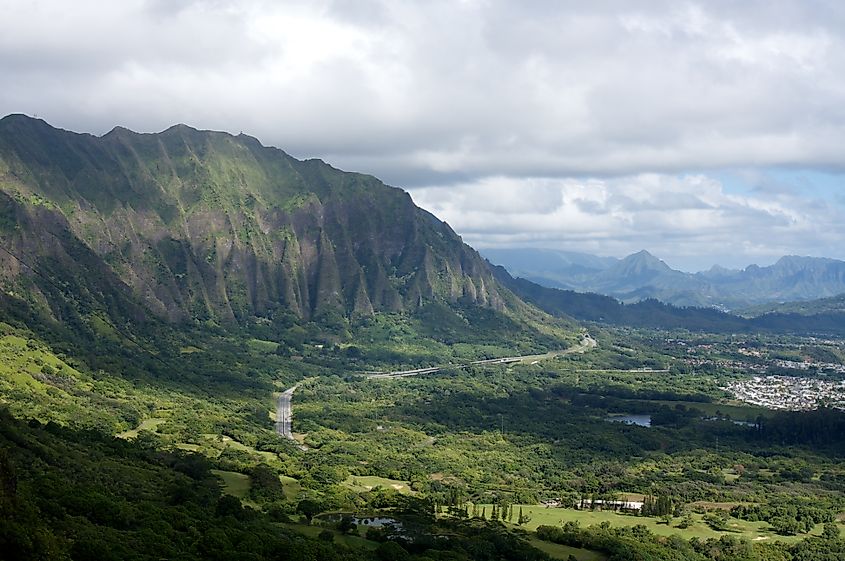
{"x": 790, "y": 393}
{"x": 728, "y": 364}
{"x": 808, "y": 364}
{"x": 596, "y": 504}
{"x": 709, "y": 354}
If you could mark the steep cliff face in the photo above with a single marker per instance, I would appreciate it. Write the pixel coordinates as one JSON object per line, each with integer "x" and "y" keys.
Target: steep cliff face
{"x": 44, "y": 263}
{"x": 199, "y": 225}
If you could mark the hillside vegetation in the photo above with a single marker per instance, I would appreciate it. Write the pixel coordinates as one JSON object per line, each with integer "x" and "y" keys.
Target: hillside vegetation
{"x": 205, "y": 226}
{"x": 159, "y": 292}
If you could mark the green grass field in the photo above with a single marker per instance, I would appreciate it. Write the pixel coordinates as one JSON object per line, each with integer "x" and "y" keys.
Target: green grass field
{"x": 754, "y": 531}
{"x": 290, "y": 486}
{"x": 350, "y": 540}
{"x": 22, "y": 368}
{"x": 262, "y": 347}
{"x": 268, "y": 457}
{"x": 362, "y": 483}
{"x": 558, "y": 551}
{"x": 234, "y": 483}
{"x": 150, "y": 424}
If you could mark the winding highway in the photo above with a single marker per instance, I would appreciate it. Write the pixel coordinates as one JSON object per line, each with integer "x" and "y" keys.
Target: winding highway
{"x": 586, "y": 343}
{"x": 284, "y": 414}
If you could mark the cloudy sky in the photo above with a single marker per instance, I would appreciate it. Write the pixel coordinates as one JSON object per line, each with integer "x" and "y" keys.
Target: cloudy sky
{"x": 705, "y": 132}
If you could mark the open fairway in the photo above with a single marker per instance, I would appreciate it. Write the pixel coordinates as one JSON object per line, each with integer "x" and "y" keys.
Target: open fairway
{"x": 363, "y": 483}
{"x": 234, "y": 483}
{"x": 755, "y": 531}
{"x": 349, "y": 540}
{"x": 150, "y": 424}
{"x": 268, "y": 457}
{"x": 558, "y": 551}
{"x": 290, "y": 486}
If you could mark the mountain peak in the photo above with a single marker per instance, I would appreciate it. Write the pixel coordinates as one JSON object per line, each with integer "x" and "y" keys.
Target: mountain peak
{"x": 802, "y": 261}
{"x": 20, "y": 120}
{"x": 719, "y": 269}
{"x": 642, "y": 275}
{"x": 119, "y": 131}
{"x": 642, "y": 252}
{"x": 180, "y": 128}
{"x": 634, "y": 271}
{"x": 20, "y": 117}
{"x": 717, "y": 272}
{"x": 644, "y": 259}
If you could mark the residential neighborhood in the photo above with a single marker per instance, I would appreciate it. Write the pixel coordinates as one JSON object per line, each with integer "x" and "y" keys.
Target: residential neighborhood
{"x": 790, "y": 393}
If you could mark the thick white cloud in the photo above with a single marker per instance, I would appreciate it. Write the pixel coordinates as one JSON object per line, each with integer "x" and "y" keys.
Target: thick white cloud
{"x": 691, "y": 220}
{"x": 483, "y": 94}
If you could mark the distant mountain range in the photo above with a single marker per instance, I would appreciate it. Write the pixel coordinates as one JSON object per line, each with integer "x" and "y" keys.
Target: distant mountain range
{"x": 819, "y": 317}
{"x": 641, "y": 276}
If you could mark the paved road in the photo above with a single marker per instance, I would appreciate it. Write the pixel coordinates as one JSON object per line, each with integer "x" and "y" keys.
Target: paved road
{"x": 586, "y": 343}
{"x": 284, "y": 414}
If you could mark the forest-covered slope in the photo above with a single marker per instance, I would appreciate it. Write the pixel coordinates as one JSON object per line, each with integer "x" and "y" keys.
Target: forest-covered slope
{"x": 200, "y": 225}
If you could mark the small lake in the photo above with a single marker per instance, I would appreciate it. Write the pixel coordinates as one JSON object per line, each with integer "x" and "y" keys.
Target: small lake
{"x": 369, "y": 521}
{"x": 376, "y": 521}
{"x": 639, "y": 420}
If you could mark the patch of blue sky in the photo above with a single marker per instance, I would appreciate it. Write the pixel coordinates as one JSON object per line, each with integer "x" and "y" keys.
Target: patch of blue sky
{"x": 810, "y": 183}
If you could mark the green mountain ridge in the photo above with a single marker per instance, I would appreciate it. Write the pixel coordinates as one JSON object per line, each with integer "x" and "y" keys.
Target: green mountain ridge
{"x": 204, "y": 226}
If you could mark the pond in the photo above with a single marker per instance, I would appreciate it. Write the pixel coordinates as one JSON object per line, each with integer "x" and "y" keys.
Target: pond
{"x": 376, "y": 521}
{"x": 368, "y": 521}
{"x": 639, "y": 420}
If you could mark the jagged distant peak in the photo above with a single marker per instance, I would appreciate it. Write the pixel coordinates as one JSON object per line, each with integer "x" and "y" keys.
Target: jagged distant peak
{"x": 643, "y": 255}
{"x": 178, "y": 128}
{"x": 644, "y": 260}
{"x": 188, "y": 130}
{"x": 804, "y": 260}
{"x": 119, "y": 130}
